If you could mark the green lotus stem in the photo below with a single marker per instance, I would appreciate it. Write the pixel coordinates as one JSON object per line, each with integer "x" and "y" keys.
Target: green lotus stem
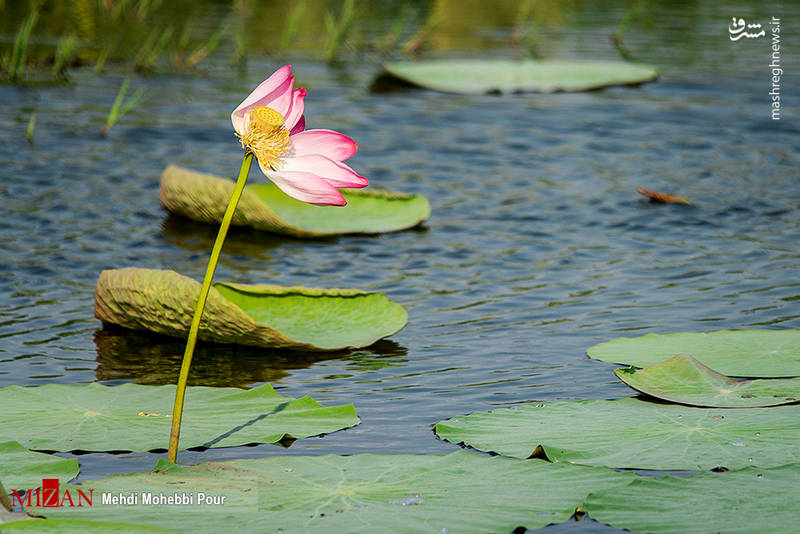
{"x": 177, "y": 411}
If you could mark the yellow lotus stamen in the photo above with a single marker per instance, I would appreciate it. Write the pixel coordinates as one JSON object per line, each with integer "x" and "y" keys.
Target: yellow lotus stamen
{"x": 265, "y": 136}
{"x": 266, "y": 118}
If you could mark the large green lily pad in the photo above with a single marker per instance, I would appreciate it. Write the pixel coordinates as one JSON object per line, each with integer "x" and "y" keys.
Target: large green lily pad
{"x": 745, "y": 500}
{"x": 475, "y": 76}
{"x": 461, "y": 492}
{"x": 23, "y": 469}
{"x": 133, "y": 417}
{"x": 204, "y": 197}
{"x": 631, "y": 433}
{"x": 685, "y": 380}
{"x": 753, "y": 353}
{"x": 297, "y": 318}
{"x": 80, "y": 526}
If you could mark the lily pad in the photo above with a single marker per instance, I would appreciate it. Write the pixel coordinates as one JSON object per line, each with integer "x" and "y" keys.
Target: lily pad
{"x": 461, "y": 492}
{"x": 24, "y": 469}
{"x": 79, "y": 526}
{"x": 745, "y": 500}
{"x": 204, "y": 197}
{"x": 132, "y": 417}
{"x": 508, "y": 76}
{"x": 631, "y": 433}
{"x": 297, "y": 318}
{"x": 685, "y": 380}
{"x": 753, "y": 353}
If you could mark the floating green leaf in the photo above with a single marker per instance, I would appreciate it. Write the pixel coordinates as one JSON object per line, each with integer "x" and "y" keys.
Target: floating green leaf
{"x": 296, "y": 318}
{"x": 132, "y": 417}
{"x": 755, "y": 353}
{"x": 630, "y": 433}
{"x": 203, "y": 197}
{"x": 24, "y": 469}
{"x": 461, "y": 492}
{"x": 508, "y": 76}
{"x": 8, "y": 517}
{"x": 79, "y": 526}
{"x": 685, "y": 380}
{"x": 745, "y": 500}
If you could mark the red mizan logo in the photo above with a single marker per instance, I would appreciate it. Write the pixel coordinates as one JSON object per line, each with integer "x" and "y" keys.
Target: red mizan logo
{"x": 49, "y": 496}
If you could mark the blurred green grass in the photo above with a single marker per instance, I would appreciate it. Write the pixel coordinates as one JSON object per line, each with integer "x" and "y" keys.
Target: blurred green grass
{"x": 42, "y": 40}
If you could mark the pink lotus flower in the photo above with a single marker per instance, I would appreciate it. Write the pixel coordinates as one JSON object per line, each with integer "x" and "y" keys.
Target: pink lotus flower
{"x": 305, "y": 164}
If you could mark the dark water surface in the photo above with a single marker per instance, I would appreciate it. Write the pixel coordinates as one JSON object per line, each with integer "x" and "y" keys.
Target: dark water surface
{"x": 537, "y": 248}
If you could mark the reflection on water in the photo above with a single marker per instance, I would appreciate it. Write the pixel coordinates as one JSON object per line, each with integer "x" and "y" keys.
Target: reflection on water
{"x": 144, "y": 358}
{"x": 199, "y": 237}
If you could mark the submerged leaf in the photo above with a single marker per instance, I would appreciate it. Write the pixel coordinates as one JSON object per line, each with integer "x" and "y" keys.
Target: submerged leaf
{"x": 203, "y": 197}
{"x": 366, "y": 493}
{"x": 631, "y": 433}
{"x": 297, "y": 318}
{"x": 508, "y": 76}
{"x": 745, "y": 500}
{"x": 755, "y": 353}
{"x": 685, "y": 380}
{"x": 132, "y": 417}
{"x": 23, "y": 469}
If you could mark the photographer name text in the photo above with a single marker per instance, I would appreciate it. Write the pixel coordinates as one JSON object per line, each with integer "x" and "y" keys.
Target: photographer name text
{"x": 162, "y": 499}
